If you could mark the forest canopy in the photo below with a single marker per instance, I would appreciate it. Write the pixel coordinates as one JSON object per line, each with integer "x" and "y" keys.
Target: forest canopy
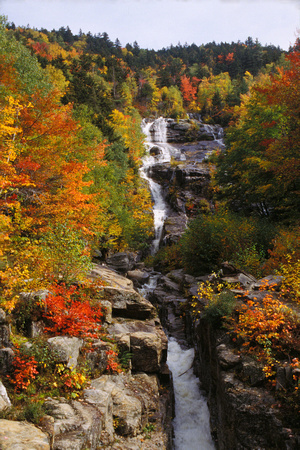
{"x": 71, "y": 141}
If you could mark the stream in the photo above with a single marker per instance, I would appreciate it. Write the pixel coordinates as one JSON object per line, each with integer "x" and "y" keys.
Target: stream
{"x": 191, "y": 422}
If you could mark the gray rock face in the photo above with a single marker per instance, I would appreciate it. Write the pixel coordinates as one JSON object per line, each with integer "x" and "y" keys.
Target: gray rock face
{"x": 191, "y": 130}
{"x": 22, "y": 436}
{"x": 145, "y": 341}
{"x": 6, "y": 359}
{"x": 4, "y": 331}
{"x": 67, "y": 348}
{"x": 110, "y": 277}
{"x": 128, "y": 303}
{"x": 121, "y": 262}
{"x": 242, "y": 413}
{"x": 74, "y": 425}
{"x": 114, "y": 407}
{"x": 4, "y": 399}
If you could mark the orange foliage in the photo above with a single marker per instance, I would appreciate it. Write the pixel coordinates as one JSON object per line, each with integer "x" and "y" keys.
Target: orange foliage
{"x": 25, "y": 370}
{"x": 69, "y": 311}
{"x": 188, "y": 88}
{"x": 268, "y": 329}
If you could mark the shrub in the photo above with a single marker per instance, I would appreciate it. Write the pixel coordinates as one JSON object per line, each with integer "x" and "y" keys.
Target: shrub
{"x": 268, "y": 330}
{"x": 168, "y": 258}
{"x": 219, "y": 307}
{"x": 68, "y": 310}
{"x": 24, "y": 370}
{"x": 220, "y": 302}
{"x": 291, "y": 278}
{"x": 223, "y": 236}
{"x": 285, "y": 244}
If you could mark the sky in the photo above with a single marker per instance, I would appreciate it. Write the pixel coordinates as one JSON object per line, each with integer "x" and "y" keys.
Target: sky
{"x": 155, "y": 24}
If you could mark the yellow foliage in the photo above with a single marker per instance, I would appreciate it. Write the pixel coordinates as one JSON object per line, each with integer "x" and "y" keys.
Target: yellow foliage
{"x": 290, "y": 270}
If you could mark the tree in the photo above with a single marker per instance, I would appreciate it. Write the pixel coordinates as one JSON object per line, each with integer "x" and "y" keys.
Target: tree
{"x": 259, "y": 171}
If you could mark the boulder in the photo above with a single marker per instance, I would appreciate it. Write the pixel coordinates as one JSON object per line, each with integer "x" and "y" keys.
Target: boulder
{"x": 74, "y": 425}
{"x": 271, "y": 282}
{"x": 227, "y": 358}
{"x": 121, "y": 262}
{"x": 4, "y": 399}
{"x": 2, "y": 316}
{"x": 128, "y": 303}
{"x": 109, "y": 277}
{"x": 97, "y": 358}
{"x": 140, "y": 276}
{"x": 67, "y": 348}
{"x": 22, "y": 436}
{"x": 107, "y": 311}
{"x": 145, "y": 341}
{"x": 6, "y": 359}
{"x": 147, "y": 352}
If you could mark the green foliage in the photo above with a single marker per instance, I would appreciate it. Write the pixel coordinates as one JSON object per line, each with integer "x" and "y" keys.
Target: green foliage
{"x": 167, "y": 258}
{"x": 125, "y": 359}
{"x": 219, "y": 302}
{"x": 213, "y": 238}
{"x": 65, "y": 253}
{"x": 219, "y": 307}
{"x": 250, "y": 260}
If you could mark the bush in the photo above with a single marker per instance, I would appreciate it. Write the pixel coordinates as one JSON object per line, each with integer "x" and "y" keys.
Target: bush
{"x": 213, "y": 238}
{"x": 219, "y": 302}
{"x": 69, "y": 311}
{"x": 167, "y": 258}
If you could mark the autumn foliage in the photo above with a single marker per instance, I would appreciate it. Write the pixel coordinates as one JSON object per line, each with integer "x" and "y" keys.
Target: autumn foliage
{"x": 68, "y": 311}
{"x": 24, "y": 370}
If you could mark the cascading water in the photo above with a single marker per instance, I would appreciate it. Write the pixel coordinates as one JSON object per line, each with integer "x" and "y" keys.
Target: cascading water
{"x": 191, "y": 423}
{"x": 156, "y": 133}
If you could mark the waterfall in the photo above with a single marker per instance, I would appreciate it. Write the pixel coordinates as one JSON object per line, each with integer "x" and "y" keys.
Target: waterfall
{"x": 191, "y": 423}
{"x": 156, "y": 132}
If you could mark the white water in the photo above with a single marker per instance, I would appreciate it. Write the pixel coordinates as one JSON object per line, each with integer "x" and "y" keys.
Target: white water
{"x": 191, "y": 423}
{"x": 160, "y": 207}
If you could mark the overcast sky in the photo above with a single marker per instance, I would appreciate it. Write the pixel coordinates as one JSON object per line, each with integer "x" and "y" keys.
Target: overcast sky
{"x": 160, "y": 23}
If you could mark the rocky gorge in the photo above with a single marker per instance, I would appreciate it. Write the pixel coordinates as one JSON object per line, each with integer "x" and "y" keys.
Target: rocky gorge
{"x": 135, "y": 409}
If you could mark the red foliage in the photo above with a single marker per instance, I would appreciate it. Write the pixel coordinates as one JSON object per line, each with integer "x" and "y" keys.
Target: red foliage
{"x": 24, "y": 370}
{"x": 229, "y": 57}
{"x": 188, "y": 89}
{"x": 112, "y": 365}
{"x": 69, "y": 312}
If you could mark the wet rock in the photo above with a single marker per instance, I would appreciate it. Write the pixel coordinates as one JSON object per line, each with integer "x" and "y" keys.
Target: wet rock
{"x": 140, "y": 276}
{"x": 155, "y": 151}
